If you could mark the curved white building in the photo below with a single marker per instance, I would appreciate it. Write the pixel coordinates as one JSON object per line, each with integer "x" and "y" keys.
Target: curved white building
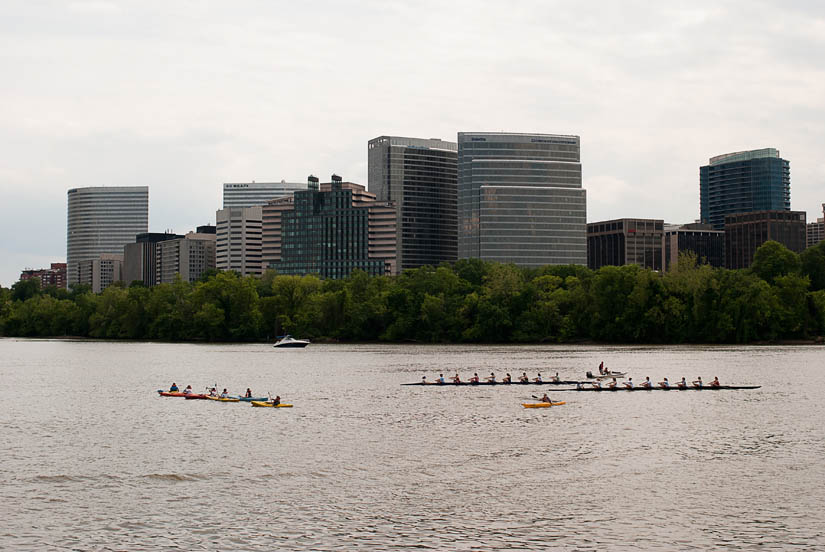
{"x": 102, "y": 220}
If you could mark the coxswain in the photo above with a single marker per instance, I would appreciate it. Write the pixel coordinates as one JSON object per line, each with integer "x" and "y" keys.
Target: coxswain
{"x": 596, "y": 384}
{"x": 682, "y": 384}
{"x": 538, "y": 378}
{"x": 664, "y": 384}
{"x": 276, "y": 401}
{"x": 715, "y": 382}
{"x": 188, "y": 390}
{"x": 629, "y": 383}
{"x": 248, "y": 393}
{"x": 492, "y": 378}
{"x": 440, "y": 379}
{"x": 507, "y": 378}
{"x": 173, "y": 388}
{"x": 546, "y": 399}
{"x": 647, "y": 383}
{"x": 524, "y": 378}
{"x": 456, "y": 379}
{"x": 555, "y": 379}
{"x": 474, "y": 379}
{"x": 698, "y": 382}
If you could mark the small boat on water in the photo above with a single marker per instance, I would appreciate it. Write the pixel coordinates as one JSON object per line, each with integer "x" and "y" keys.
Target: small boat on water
{"x": 606, "y": 375}
{"x": 289, "y": 342}
{"x": 163, "y": 393}
{"x": 267, "y": 404}
{"x": 223, "y": 399}
{"x": 542, "y": 404}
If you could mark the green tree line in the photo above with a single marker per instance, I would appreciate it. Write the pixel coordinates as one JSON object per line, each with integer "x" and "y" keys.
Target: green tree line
{"x": 782, "y": 296}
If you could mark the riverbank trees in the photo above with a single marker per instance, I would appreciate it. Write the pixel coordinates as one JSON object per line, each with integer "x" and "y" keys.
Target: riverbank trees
{"x": 781, "y": 297}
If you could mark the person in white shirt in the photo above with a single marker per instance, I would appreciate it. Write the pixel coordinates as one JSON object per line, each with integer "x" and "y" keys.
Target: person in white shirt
{"x": 629, "y": 383}
{"x": 664, "y": 384}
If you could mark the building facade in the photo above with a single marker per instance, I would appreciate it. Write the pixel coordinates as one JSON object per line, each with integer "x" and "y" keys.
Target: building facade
{"x": 189, "y": 256}
{"x": 53, "y": 276}
{"x": 420, "y": 177}
{"x": 328, "y": 232}
{"x": 238, "y": 195}
{"x": 239, "y": 240}
{"x": 101, "y": 220}
{"x": 100, "y": 273}
{"x": 271, "y": 228}
{"x": 815, "y": 231}
{"x": 701, "y": 239}
{"x": 625, "y": 241}
{"x": 745, "y": 232}
{"x": 140, "y": 258}
{"x": 743, "y": 182}
{"x": 520, "y": 199}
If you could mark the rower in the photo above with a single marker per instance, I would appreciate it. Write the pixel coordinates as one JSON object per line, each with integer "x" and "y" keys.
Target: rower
{"x": 507, "y": 378}
{"x": 664, "y": 384}
{"x": 697, "y": 383}
{"x": 173, "y": 388}
{"x": 596, "y": 384}
{"x": 456, "y": 379}
{"x": 492, "y": 378}
{"x": 646, "y": 383}
{"x": 538, "y": 378}
{"x": 578, "y": 386}
{"x": 682, "y": 384}
{"x": 555, "y": 379}
{"x": 629, "y": 383}
{"x": 474, "y": 379}
{"x": 546, "y": 399}
{"x": 612, "y": 384}
{"x": 715, "y": 382}
{"x": 524, "y": 378}
{"x": 440, "y": 379}
{"x": 424, "y": 380}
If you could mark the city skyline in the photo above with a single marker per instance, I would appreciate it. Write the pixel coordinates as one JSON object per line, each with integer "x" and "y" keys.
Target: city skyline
{"x": 653, "y": 91}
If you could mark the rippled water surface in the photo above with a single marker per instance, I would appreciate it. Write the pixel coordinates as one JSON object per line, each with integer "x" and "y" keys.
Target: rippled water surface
{"x": 93, "y": 459}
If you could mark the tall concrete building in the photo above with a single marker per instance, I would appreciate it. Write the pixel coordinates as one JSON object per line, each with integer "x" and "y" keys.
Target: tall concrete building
{"x": 333, "y": 229}
{"x": 420, "y": 177}
{"x": 816, "y": 230}
{"x": 745, "y": 232}
{"x": 249, "y": 194}
{"x": 140, "y": 258}
{"x": 625, "y": 241}
{"x": 189, "y": 256}
{"x": 103, "y": 220}
{"x": 520, "y": 198}
{"x": 743, "y": 182}
{"x": 239, "y": 240}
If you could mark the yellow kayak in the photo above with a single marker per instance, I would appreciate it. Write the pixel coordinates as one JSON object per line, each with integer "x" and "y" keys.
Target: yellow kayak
{"x": 227, "y": 399}
{"x": 542, "y": 404}
{"x": 270, "y": 405}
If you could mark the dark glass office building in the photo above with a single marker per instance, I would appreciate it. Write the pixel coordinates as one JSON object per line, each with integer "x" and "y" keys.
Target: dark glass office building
{"x": 520, "y": 199}
{"x": 700, "y": 239}
{"x": 625, "y": 241}
{"x": 745, "y": 232}
{"x": 327, "y": 232}
{"x": 420, "y": 176}
{"x": 743, "y": 182}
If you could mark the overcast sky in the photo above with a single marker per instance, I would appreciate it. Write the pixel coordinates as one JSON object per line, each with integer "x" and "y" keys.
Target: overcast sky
{"x": 183, "y": 96}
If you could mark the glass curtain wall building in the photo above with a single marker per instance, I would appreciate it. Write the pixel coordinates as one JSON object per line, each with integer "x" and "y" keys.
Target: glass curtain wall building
{"x": 520, "y": 199}
{"x": 102, "y": 220}
{"x": 743, "y": 182}
{"x": 250, "y": 194}
{"x": 420, "y": 176}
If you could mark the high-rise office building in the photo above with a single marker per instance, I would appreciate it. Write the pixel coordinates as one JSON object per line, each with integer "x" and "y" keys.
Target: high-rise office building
{"x": 520, "y": 198}
{"x": 189, "y": 256}
{"x": 700, "y": 239}
{"x": 102, "y": 220}
{"x": 420, "y": 176}
{"x": 745, "y": 232}
{"x": 271, "y": 231}
{"x": 250, "y": 194}
{"x": 239, "y": 240}
{"x": 743, "y": 182}
{"x": 816, "y": 230}
{"x": 140, "y": 258}
{"x": 625, "y": 241}
{"x": 333, "y": 229}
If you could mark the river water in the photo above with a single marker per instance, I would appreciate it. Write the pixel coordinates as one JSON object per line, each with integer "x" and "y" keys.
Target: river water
{"x": 93, "y": 459}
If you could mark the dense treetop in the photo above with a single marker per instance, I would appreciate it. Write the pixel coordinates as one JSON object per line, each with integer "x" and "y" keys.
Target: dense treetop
{"x": 781, "y": 297}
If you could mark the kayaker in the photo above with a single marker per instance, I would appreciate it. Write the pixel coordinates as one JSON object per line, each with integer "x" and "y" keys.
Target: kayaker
{"x": 213, "y": 392}
{"x": 629, "y": 383}
{"x": 492, "y": 378}
{"x": 612, "y": 384}
{"x": 546, "y": 399}
{"x": 224, "y": 393}
{"x": 555, "y": 379}
{"x": 456, "y": 379}
{"x": 538, "y": 378}
{"x": 682, "y": 384}
{"x": 248, "y": 393}
{"x": 276, "y": 401}
{"x": 524, "y": 378}
{"x": 507, "y": 378}
{"x": 698, "y": 382}
{"x": 664, "y": 384}
{"x": 646, "y": 383}
{"x": 440, "y": 379}
{"x": 715, "y": 382}
{"x": 188, "y": 390}
{"x": 173, "y": 388}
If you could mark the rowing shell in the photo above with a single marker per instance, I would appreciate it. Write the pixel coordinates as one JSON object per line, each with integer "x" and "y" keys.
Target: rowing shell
{"x": 542, "y": 404}
{"x": 451, "y": 384}
{"x": 705, "y": 388}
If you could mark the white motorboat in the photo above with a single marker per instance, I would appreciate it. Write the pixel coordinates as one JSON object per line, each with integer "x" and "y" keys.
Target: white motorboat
{"x": 287, "y": 341}
{"x": 606, "y": 375}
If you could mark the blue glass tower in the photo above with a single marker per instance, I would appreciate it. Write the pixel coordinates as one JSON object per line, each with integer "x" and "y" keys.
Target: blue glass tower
{"x": 743, "y": 182}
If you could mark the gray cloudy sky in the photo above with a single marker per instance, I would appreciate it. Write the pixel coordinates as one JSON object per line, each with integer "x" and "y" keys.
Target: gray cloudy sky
{"x": 183, "y": 96}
